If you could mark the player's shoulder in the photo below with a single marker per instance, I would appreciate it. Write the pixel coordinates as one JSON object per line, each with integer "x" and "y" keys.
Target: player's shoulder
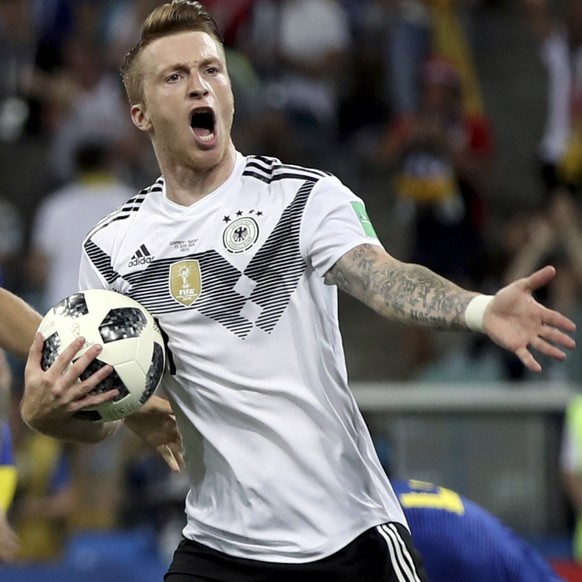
{"x": 122, "y": 217}
{"x": 269, "y": 170}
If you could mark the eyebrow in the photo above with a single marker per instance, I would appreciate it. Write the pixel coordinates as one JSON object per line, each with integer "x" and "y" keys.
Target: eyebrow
{"x": 184, "y": 66}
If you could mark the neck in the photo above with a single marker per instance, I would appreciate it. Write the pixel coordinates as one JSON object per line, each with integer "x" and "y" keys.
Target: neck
{"x": 186, "y": 185}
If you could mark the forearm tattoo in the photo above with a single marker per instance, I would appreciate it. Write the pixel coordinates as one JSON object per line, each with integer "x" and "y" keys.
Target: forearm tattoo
{"x": 403, "y": 291}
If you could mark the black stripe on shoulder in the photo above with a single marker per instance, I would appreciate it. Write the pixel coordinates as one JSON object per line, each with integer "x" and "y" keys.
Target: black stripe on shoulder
{"x": 127, "y": 209}
{"x": 268, "y": 170}
{"x": 123, "y": 212}
{"x": 315, "y": 171}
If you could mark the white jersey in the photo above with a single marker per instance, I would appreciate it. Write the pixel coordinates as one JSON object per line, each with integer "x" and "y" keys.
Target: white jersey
{"x": 281, "y": 465}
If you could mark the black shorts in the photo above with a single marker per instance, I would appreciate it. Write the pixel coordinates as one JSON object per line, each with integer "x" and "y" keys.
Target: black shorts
{"x": 381, "y": 554}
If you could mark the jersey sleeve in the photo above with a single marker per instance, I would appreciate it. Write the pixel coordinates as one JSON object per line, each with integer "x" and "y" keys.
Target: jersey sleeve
{"x": 334, "y": 223}
{"x": 89, "y": 275}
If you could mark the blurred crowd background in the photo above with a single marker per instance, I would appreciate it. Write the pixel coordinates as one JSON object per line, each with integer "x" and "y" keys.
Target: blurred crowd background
{"x": 459, "y": 122}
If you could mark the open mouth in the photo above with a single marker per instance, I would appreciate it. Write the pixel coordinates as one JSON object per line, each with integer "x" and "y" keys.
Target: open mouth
{"x": 202, "y": 124}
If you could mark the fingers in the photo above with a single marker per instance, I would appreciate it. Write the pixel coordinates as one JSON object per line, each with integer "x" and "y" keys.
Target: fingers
{"x": 528, "y": 360}
{"x": 66, "y": 356}
{"x": 168, "y": 456}
{"x": 545, "y": 344}
{"x": 173, "y": 457}
{"x": 35, "y": 351}
{"x": 158, "y": 403}
{"x": 540, "y": 278}
{"x": 557, "y": 320}
{"x": 73, "y": 370}
{"x": 557, "y": 337}
{"x": 547, "y": 349}
{"x": 62, "y": 379}
{"x": 177, "y": 450}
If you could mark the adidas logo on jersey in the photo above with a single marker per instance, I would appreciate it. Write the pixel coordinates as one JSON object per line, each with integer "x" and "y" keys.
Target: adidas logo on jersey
{"x": 141, "y": 257}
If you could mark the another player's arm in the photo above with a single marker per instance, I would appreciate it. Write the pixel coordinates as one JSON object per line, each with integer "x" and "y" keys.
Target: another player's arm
{"x": 18, "y": 324}
{"x": 410, "y": 293}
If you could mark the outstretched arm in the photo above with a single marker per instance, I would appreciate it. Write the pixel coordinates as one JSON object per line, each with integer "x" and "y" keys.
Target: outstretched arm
{"x": 413, "y": 294}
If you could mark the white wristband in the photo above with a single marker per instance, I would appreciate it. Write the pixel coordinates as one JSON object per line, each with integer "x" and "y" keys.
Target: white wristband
{"x": 475, "y": 311}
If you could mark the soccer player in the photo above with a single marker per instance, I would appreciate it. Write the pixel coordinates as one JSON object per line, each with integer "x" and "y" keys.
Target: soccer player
{"x": 243, "y": 256}
{"x": 461, "y": 541}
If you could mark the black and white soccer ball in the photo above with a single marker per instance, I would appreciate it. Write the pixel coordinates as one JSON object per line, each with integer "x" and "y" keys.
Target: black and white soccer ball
{"x": 131, "y": 340}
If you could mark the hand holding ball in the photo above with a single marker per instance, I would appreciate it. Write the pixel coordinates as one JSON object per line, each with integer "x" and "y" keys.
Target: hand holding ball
{"x": 131, "y": 340}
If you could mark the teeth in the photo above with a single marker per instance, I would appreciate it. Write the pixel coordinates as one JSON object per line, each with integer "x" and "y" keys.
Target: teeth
{"x": 207, "y": 137}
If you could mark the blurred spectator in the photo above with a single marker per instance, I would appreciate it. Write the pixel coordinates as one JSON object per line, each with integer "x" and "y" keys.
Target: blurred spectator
{"x": 44, "y": 496}
{"x": 18, "y": 46}
{"x": 82, "y": 102}
{"x": 439, "y": 156}
{"x": 231, "y": 16}
{"x": 299, "y": 48}
{"x": 408, "y": 45}
{"x": 122, "y": 28}
{"x": 416, "y": 29}
{"x": 11, "y": 238}
{"x": 55, "y": 253}
{"x": 523, "y": 240}
{"x": 550, "y": 236}
{"x": 560, "y": 150}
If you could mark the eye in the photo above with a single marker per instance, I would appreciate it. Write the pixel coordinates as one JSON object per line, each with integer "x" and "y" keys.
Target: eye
{"x": 212, "y": 70}
{"x": 173, "y": 78}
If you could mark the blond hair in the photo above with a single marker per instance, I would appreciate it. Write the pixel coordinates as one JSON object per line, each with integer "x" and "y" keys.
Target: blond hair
{"x": 165, "y": 20}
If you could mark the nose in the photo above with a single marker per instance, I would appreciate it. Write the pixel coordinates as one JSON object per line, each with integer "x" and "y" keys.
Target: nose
{"x": 197, "y": 88}
{"x": 197, "y": 93}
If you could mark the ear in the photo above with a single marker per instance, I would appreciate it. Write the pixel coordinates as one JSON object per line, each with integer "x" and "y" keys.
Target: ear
{"x": 140, "y": 117}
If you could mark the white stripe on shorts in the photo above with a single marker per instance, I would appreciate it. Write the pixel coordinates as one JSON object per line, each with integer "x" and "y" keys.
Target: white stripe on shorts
{"x": 402, "y": 561}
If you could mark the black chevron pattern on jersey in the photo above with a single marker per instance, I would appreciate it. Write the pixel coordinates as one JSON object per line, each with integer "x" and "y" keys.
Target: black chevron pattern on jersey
{"x": 218, "y": 300}
{"x": 269, "y": 170}
{"x": 278, "y": 264}
{"x": 102, "y": 261}
{"x": 275, "y": 269}
{"x": 125, "y": 211}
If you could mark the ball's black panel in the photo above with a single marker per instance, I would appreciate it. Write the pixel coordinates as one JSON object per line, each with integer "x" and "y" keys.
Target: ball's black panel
{"x": 155, "y": 372}
{"x": 113, "y": 381}
{"x": 73, "y": 306}
{"x": 50, "y": 350}
{"x": 122, "y": 323}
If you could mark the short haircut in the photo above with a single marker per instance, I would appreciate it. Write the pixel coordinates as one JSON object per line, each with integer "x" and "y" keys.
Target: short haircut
{"x": 165, "y": 20}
